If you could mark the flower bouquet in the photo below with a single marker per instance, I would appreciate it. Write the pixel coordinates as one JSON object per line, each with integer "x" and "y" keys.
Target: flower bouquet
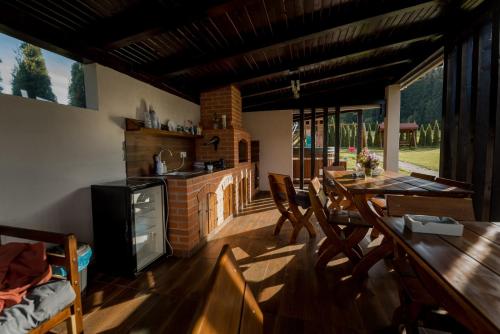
{"x": 368, "y": 160}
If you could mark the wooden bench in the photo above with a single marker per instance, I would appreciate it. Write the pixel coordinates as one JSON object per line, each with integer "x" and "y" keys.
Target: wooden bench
{"x": 72, "y": 314}
{"x": 228, "y": 306}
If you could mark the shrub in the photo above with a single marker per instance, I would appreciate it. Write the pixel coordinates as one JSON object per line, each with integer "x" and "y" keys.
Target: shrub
{"x": 376, "y": 138}
{"x": 428, "y": 135}
{"x": 421, "y": 136}
{"x": 436, "y": 134}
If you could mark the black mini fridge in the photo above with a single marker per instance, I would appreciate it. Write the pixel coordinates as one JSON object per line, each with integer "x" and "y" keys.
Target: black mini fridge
{"x": 129, "y": 225}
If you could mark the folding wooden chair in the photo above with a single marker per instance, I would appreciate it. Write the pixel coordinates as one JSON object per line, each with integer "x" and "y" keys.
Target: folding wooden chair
{"x": 283, "y": 192}
{"x": 345, "y": 240}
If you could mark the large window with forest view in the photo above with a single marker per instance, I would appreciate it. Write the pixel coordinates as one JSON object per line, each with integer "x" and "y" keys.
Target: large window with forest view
{"x": 27, "y": 70}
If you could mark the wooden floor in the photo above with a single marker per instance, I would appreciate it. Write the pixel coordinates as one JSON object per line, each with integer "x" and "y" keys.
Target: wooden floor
{"x": 293, "y": 297}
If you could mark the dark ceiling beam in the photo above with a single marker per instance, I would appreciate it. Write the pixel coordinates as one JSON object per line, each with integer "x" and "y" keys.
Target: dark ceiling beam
{"x": 374, "y": 95}
{"x": 368, "y": 86}
{"x": 152, "y": 17}
{"x": 332, "y": 79}
{"x": 344, "y": 15}
{"x": 421, "y": 35}
{"x": 29, "y": 28}
{"x": 383, "y": 60}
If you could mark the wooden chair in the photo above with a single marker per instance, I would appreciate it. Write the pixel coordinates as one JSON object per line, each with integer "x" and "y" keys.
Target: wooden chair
{"x": 380, "y": 203}
{"x": 454, "y": 183}
{"x": 456, "y": 208}
{"x": 283, "y": 192}
{"x": 345, "y": 240}
{"x": 414, "y": 298}
{"x": 228, "y": 306}
{"x": 72, "y": 314}
{"x": 423, "y": 176}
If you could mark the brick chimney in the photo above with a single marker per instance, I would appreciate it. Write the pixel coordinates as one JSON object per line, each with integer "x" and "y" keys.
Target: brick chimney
{"x": 234, "y": 141}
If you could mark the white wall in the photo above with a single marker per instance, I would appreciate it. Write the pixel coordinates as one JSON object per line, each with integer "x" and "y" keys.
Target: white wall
{"x": 50, "y": 154}
{"x": 273, "y": 130}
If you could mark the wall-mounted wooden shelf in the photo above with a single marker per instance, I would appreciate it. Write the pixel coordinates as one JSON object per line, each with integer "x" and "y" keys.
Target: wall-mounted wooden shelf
{"x": 133, "y": 125}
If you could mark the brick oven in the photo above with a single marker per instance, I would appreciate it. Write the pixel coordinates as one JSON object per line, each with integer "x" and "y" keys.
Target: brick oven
{"x": 234, "y": 145}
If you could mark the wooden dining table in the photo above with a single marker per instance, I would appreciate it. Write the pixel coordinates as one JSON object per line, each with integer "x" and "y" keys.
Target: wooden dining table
{"x": 461, "y": 273}
{"x": 363, "y": 188}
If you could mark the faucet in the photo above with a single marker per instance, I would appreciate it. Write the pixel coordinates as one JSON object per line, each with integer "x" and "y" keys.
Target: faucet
{"x": 160, "y": 166}
{"x": 161, "y": 151}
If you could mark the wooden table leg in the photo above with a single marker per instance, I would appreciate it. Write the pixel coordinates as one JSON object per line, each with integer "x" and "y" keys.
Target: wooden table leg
{"x": 379, "y": 252}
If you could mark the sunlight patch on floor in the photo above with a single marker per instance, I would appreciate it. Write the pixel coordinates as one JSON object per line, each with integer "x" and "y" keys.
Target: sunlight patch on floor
{"x": 261, "y": 270}
{"x": 239, "y": 253}
{"x": 269, "y": 292}
{"x": 285, "y": 249}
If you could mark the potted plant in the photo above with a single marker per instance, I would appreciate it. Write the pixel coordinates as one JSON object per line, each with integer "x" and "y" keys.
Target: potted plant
{"x": 369, "y": 161}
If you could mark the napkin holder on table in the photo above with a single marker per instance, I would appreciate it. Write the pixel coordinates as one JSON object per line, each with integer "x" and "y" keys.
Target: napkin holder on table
{"x": 433, "y": 225}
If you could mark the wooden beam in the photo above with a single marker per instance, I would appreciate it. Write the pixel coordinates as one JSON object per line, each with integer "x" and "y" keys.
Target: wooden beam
{"x": 495, "y": 187}
{"x": 423, "y": 40}
{"x": 149, "y": 18}
{"x": 359, "y": 114}
{"x": 337, "y": 136}
{"x": 483, "y": 138}
{"x": 464, "y": 148}
{"x": 325, "y": 140}
{"x": 345, "y": 15}
{"x": 362, "y": 81}
{"x": 313, "y": 142}
{"x": 374, "y": 94}
{"x": 341, "y": 72}
{"x": 301, "y": 147}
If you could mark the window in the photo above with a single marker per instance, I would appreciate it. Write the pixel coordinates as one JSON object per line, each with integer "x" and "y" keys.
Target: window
{"x": 29, "y": 71}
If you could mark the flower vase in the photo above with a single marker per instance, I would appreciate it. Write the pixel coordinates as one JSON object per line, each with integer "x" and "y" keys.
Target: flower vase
{"x": 368, "y": 172}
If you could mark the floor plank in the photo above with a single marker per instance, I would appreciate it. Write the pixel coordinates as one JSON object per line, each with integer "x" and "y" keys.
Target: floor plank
{"x": 292, "y": 295}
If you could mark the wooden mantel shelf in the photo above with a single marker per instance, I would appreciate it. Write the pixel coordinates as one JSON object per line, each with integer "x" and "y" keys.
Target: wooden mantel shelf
{"x": 133, "y": 125}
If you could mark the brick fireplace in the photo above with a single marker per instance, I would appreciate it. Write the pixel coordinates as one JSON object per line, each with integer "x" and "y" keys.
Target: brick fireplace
{"x": 233, "y": 139}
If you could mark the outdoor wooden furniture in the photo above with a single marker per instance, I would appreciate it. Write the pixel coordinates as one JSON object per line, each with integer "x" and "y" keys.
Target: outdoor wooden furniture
{"x": 283, "y": 192}
{"x": 461, "y": 273}
{"x": 456, "y": 208}
{"x": 362, "y": 189}
{"x": 415, "y": 299}
{"x": 454, "y": 183}
{"x": 229, "y": 306}
{"x": 345, "y": 240}
{"x": 379, "y": 202}
{"x": 72, "y": 314}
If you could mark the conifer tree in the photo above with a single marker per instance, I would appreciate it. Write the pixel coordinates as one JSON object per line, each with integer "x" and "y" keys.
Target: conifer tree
{"x": 76, "y": 89}
{"x": 428, "y": 135}
{"x": 436, "y": 134}
{"x": 422, "y": 136}
{"x": 30, "y": 74}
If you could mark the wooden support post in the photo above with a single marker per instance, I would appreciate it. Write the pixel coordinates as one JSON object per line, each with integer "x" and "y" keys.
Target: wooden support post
{"x": 301, "y": 148}
{"x": 325, "y": 139}
{"x": 337, "y": 136}
{"x": 391, "y": 128}
{"x": 360, "y": 130}
{"x": 313, "y": 142}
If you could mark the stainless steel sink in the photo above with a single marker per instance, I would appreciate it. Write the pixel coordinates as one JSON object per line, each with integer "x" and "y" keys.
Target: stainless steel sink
{"x": 185, "y": 173}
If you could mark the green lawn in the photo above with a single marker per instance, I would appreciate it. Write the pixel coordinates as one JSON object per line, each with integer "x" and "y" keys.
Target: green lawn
{"x": 423, "y": 157}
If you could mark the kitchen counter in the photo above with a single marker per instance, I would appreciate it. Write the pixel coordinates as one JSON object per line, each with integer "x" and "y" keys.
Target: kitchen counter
{"x": 192, "y": 173}
{"x": 201, "y": 203}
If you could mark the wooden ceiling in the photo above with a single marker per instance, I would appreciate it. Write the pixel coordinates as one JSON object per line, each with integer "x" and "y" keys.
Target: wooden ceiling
{"x": 342, "y": 51}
